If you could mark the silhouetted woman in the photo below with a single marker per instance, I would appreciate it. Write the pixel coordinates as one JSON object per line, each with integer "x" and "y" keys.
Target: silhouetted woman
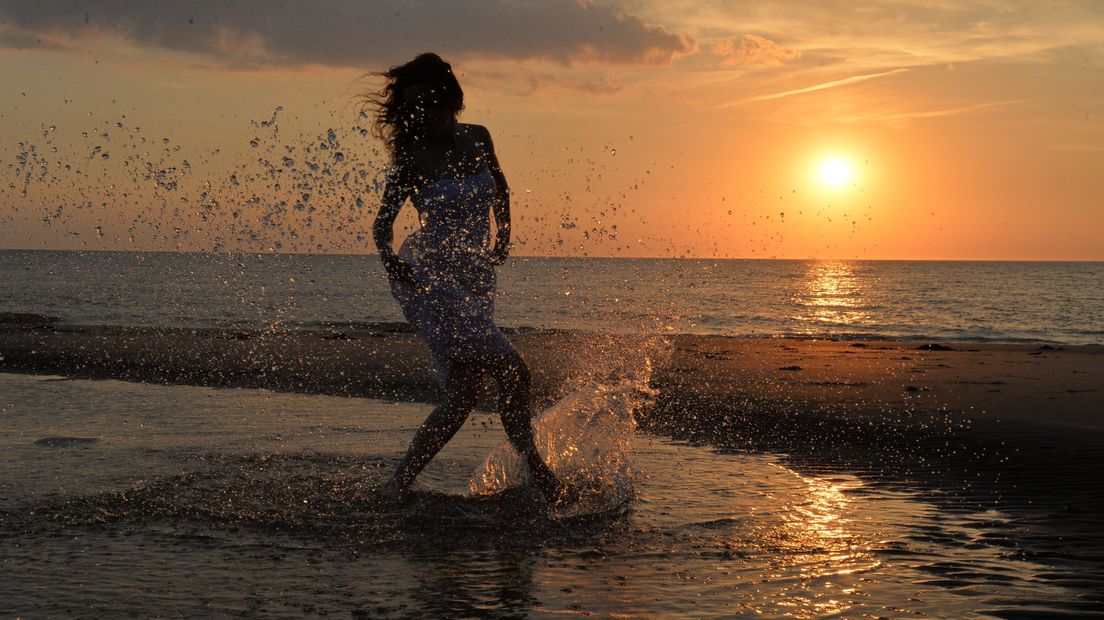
{"x": 443, "y": 275}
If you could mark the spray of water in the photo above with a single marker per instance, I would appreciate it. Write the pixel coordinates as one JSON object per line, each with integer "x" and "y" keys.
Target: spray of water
{"x": 587, "y": 436}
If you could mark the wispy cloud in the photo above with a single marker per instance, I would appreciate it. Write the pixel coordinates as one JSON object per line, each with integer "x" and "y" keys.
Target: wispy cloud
{"x": 822, "y": 86}
{"x": 1086, "y": 148}
{"x": 966, "y": 109}
{"x": 899, "y": 118}
{"x": 752, "y": 50}
{"x": 870, "y": 35}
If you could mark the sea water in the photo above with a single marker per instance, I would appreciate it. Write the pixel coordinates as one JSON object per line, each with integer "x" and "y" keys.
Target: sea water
{"x": 1033, "y": 302}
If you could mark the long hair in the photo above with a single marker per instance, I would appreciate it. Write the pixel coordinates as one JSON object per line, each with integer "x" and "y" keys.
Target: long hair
{"x": 398, "y": 121}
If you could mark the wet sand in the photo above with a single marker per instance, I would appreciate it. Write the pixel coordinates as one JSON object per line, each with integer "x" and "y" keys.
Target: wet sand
{"x": 739, "y": 389}
{"x": 190, "y": 501}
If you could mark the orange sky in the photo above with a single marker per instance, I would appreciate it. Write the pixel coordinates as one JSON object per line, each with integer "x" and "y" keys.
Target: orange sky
{"x": 975, "y": 130}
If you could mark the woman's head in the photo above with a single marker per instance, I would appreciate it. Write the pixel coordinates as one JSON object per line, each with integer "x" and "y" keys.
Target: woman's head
{"x": 421, "y": 99}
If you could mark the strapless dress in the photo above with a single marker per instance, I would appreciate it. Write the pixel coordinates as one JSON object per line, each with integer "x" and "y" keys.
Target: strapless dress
{"x": 451, "y": 302}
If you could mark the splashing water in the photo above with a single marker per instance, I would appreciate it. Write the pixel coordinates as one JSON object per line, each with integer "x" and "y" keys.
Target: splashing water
{"x": 586, "y": 437}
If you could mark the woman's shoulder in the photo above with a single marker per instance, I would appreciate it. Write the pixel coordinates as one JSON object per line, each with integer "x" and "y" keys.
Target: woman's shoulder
{"x": 477, "y": 133}
{"x": 478, "y": 140}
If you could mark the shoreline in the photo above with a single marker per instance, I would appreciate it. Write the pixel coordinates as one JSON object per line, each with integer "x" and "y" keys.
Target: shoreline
{"x": 45, "y": 321}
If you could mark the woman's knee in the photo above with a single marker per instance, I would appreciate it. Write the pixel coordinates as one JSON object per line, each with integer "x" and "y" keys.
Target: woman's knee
{"x": 462, "y": 387}
{"x": 461, "y": 398}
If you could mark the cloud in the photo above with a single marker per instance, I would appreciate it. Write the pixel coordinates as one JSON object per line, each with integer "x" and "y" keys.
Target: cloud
{"x": 1085, "y": 148}
{"x": 865, "y": 36}
{"x": 753, "y": 50}
{"x": 606, "y": 85}
{"x": 354, "y": 33}
{"x": 902, "y": 118}
{"x": 823, "y": 85}
{"x": 955, "y": 111}
{"x": 19, "y": 40}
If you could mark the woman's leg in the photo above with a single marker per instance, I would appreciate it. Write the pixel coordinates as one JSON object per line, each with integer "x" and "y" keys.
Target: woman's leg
{"x": 461, "y": 393}
{"x": 514, "y": 388}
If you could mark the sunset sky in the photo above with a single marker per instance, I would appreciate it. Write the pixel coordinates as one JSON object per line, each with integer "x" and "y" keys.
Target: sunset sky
{"x": 862, "y": 129}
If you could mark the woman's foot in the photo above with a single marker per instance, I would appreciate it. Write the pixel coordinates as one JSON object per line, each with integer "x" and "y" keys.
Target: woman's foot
{"x": 392, "y": 492}
{"x": 553, "y": 489}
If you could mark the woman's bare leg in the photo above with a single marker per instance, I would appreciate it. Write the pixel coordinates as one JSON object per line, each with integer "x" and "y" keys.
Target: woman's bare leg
{"x": 461, "y": 393}
{"x": 465, "y": 377}
{"x": 514, "y": 393}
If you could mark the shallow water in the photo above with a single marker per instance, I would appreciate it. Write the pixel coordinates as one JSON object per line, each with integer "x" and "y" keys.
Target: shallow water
{"x": 123, "y": 498}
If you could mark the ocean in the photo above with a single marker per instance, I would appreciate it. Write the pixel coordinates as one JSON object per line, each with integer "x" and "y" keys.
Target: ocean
{"x": 1014, "y": 302}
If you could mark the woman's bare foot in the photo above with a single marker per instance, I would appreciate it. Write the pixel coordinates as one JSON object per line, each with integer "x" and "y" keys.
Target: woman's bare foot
{"x": 392, "y": 492}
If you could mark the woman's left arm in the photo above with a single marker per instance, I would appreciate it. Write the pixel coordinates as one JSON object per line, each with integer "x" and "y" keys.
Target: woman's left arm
{"x": 500, "y": 206}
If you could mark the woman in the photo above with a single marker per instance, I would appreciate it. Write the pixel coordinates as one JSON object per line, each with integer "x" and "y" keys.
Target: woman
{"x": 443, "y": 275}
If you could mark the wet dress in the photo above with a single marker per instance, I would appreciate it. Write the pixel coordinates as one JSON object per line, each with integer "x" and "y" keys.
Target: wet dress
{"x": 451, "y": 302}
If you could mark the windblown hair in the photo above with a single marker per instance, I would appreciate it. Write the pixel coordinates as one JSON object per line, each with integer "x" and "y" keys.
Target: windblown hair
{"x": 399, "y": 122}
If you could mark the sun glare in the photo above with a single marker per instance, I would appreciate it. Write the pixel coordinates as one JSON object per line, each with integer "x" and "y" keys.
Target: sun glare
{"x": 835, "y": 172}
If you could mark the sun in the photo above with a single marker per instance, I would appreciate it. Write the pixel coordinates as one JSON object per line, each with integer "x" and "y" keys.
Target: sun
{"x": 835, "y": 172}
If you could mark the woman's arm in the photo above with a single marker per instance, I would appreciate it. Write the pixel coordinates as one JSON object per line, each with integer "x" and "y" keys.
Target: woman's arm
{"x": 395, "y": 193}
{"x": 501, "y": 204}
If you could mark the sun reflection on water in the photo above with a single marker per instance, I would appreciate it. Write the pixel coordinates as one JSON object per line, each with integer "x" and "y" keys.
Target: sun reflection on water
{"x": 831, "y": 294}
{"x": 823, "y": 552}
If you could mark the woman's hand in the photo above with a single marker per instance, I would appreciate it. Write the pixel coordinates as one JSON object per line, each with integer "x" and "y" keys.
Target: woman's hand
{"x": 500, "y": 253}
{"x": 397, "y": 269}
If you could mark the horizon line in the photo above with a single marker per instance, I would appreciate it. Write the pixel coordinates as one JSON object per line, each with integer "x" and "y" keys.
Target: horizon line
{"x": 526, "y": 256}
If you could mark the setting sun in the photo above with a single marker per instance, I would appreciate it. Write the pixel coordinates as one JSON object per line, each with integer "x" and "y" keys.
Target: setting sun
{"x": 835, "y": 172}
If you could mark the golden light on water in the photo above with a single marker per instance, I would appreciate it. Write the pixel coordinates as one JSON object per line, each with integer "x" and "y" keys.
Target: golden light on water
{"x": 831, "y": 293}
{"x": 827, "y": 552}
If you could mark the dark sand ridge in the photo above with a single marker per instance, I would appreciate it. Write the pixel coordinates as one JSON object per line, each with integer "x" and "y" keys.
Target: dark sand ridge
{"x": 750, "y": 382}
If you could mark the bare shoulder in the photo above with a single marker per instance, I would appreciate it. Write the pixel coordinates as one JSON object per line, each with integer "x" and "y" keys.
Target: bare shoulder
{"x": 477, "y": 133}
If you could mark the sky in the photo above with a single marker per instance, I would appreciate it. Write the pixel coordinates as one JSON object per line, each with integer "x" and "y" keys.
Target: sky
{"x": 897, "y": 129}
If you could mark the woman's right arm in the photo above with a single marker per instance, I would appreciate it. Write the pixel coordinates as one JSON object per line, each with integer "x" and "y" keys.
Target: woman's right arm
{"x": 395, "y": 193}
